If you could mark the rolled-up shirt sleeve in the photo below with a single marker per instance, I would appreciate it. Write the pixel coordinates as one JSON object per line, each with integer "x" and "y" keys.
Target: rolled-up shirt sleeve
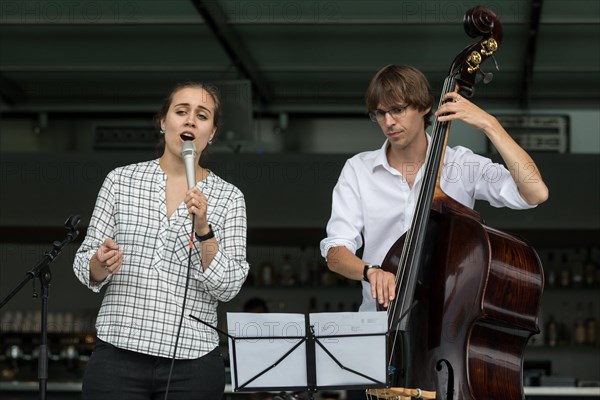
{"x": 101, "y": 226}
{"x": 224, "y": 277}
{"x": 481, "y": 179}
{"x": 346, "y": 223}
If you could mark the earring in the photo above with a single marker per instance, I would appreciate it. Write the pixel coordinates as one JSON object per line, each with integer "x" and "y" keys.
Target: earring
{"x": 209, "y": 141}
{"x": 162, "y": 132}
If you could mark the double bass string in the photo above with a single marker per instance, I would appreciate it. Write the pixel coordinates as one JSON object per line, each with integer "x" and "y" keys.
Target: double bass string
{"x": 414, "y": 236}
{"x": 417, "y": 224}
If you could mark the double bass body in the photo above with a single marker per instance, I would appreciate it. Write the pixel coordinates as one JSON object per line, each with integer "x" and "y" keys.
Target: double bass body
{"x": 476, "y": 305}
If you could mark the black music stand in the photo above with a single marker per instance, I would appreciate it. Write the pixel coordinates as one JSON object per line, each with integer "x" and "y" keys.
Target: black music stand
{"x": 291, "y": 352}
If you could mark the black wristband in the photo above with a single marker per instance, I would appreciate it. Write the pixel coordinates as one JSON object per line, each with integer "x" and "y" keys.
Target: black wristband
{"x": 368, "y": 267}
{"x": 209, "y": 235}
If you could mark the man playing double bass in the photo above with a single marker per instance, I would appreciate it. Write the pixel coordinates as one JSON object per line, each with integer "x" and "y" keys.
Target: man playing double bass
{"x": 375, "y": 196}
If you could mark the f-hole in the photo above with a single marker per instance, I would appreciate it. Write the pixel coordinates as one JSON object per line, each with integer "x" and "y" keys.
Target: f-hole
{"x": 449, "y": 378}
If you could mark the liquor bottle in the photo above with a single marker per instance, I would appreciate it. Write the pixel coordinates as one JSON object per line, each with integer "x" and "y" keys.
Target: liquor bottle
{"x": 550, "y": 269}
{"x": 266, "y": 273}
{"x": 287, "y": 272}
{"x": 589, "y": 270}
{"x": 564, "y": 334}
{"x": 565, "y": 273}
{"x": 591, "y": 326}
{"x": 304, "y": 271}
{"x": 579, "y": 334}
{"x": 577, "y": 271}
{"x": 551, "y": 332}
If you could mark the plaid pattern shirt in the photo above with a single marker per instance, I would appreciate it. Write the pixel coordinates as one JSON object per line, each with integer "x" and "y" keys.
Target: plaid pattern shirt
{"x": 143, "y": 301}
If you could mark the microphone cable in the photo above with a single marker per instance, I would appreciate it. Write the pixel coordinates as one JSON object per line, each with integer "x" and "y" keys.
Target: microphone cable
{"x": 185, "y": 292}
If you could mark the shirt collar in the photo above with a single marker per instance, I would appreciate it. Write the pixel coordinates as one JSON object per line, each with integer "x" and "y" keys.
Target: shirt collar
{"x": 380, "y": 158}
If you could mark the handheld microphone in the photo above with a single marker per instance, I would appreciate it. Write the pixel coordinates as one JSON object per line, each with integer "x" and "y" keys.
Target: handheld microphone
{"x": 188, "y": 152}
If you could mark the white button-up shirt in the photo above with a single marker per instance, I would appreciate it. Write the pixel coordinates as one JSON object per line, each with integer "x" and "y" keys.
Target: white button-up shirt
{"x": 372, "y": 200}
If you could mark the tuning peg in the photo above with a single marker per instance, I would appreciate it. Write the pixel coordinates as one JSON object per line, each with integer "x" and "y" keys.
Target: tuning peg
{"x": 496, "y": 63}
{"x": 486, "y": 77}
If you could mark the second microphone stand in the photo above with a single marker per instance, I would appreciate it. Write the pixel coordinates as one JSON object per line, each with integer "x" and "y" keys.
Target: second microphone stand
{"x": 42, "y": 271}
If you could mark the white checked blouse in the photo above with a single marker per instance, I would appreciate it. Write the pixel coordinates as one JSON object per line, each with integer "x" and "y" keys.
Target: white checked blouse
{"x": 142, "y": 305}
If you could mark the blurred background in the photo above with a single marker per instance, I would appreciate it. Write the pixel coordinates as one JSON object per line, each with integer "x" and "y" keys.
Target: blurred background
{"x": 80, "y": 82}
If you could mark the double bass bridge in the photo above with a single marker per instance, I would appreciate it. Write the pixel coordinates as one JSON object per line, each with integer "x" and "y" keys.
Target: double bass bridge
{"x": 400, "y": 394}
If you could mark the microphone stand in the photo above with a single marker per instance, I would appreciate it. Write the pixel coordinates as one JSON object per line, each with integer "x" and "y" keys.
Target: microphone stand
{"x": 42, "y": 271}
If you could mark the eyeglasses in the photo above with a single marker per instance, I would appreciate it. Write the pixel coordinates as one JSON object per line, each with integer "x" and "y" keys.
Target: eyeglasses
{"x": 395, "y": 112}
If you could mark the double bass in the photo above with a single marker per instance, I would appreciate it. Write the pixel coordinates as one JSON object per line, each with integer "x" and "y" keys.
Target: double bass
{"x": 468, "y": 295}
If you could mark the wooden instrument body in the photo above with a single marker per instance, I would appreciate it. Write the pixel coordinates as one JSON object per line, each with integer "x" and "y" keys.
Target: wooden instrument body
{"x": 477, "y": 304}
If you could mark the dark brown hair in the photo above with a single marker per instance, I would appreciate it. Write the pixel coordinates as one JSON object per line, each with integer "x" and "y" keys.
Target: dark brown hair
{"x": 400, "y": 84}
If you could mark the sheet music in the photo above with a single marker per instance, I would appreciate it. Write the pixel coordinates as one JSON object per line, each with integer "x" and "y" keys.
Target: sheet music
{"x": 253, "y": 356}
{"x": 364, "y": 354}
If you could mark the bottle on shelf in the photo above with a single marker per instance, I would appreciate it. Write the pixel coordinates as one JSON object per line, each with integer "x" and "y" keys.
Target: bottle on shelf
{"x": 551, "y": 332}
{"x": 286, "y": 275}
{"x": 550, "y": 269}
{"x": 266, "y": 274}
{"x": 591, "y": 326}
{"x": 305, "y": 269}
{"x": 565, "y": 272}
{"x": 577, "y": 270}
{"x": 590, "y": 270}
{"x": 564, "y": 334}
{"x": 579, "y": 335}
